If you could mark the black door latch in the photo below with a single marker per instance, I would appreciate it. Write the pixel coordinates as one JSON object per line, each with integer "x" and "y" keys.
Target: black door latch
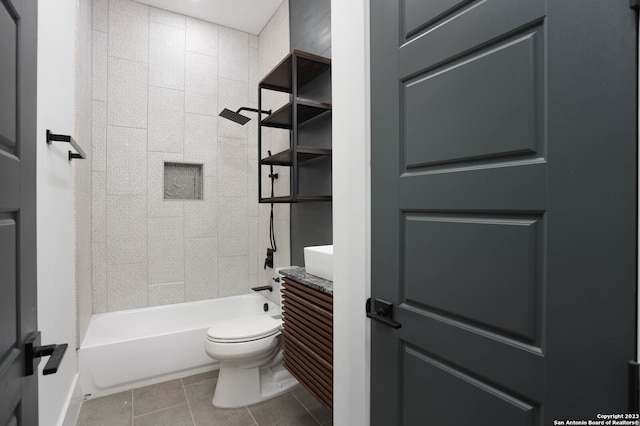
{"x": 382, "y": 312}
{"x": 33, "y": 352}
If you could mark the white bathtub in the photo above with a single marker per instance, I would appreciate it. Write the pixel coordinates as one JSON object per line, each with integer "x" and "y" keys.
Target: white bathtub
{"x": 139, "y": 347}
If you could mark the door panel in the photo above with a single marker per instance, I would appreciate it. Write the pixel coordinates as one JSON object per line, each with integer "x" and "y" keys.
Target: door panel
{"x": 503, "y": 210}
{"x": 8, "y": 308}
{"x": 419, "y": 14}
{"x": 8, "y": 84}
{"x": 506, "y": 362}
{"x": 431, "y": 386}
{"x": 18, "y": 313}
{"x": 485, "y": 106}
{"x": 468, "y": 29}
{"x": 494, "y": 288}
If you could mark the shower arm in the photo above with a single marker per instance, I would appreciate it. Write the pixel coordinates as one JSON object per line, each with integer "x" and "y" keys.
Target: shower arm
{"x": 253, "y": 110}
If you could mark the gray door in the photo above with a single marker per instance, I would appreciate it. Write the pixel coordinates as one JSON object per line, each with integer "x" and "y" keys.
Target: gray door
{"x": 18, "y": 30}
{"x": 503, "y": 210}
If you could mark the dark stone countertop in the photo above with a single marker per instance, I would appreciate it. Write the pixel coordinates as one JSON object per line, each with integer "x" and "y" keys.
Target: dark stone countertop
{"x": 298, "y": 273}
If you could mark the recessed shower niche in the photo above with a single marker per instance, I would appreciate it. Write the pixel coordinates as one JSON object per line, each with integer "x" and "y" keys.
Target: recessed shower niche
{"x": 183, "y": 181}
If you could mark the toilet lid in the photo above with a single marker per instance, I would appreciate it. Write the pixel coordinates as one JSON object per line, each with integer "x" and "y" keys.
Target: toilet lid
{"x": 244, "y": 329}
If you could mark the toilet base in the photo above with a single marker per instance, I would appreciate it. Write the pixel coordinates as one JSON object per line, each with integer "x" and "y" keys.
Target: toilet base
{"x": 238, "y": 387}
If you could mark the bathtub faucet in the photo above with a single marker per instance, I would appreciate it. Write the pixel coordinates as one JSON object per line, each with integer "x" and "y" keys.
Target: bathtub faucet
{"x": 264, "y": 287}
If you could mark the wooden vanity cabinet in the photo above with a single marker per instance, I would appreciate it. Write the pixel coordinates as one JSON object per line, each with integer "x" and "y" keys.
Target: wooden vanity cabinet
{"x": 308, "y": 338}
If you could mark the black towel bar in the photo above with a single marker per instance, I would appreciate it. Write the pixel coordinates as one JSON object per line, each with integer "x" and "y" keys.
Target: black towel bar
{"x": 51, "y": 137}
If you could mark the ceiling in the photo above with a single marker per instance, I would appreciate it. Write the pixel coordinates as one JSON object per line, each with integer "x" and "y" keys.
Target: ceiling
{"x": 245, "y": 15}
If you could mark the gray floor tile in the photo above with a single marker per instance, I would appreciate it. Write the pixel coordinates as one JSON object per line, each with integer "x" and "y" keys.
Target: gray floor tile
{"x": 173, "y": 416}
{"x": 157, "y": 397}
{"x": 208, "y": 375}
{"x": 284, "y": 410}
{"x": 112, "y": 410}
{"x": 317, "y": 410}
{"x": 205, "y": 414}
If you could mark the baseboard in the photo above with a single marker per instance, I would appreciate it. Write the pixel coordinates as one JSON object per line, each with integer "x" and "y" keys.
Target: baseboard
{"x": 72, "y": 404}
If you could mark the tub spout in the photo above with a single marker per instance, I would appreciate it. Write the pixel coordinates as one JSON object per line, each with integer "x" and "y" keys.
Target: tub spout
{"x": 264, "y": 287}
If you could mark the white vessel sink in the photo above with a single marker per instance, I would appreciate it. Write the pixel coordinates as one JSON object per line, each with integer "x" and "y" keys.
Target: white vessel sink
{"x": 318, "y": 261}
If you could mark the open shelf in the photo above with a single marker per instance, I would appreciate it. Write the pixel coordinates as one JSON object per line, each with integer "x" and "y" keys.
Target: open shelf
{"x": 298, "y": 199}
{"x": 299, "y": 71}
{"x": 309, "y": 67}
{"x": 304, "y": 153}
{"x": 307, "y": 109}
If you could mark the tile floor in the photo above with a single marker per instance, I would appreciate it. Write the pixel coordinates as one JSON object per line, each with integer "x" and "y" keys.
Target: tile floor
{"x": 187, "y": 401}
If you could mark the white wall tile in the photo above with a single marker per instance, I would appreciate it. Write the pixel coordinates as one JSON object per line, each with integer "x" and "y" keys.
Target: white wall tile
{"x": 253, "y": 281}
{"x": 100, "y": 12}
{"x": 99, "y": 207}
{"x": 127, "y": 93}
{"x": 232, "y": 226}
{"x": 99, "y": 277}
{"x": 99, "y": 66}
{"x": 166, "y": 120}
{"x": 126, "y": 161}
{"x": 157, "y": 206}
{"x": 252, "y": 139}
{"x": 165, "y": 17}
{"x": 234, "y": 54}
{"x": 128, "y": 30}
{"x": 234, "y": 276}
{"x": 232, "y": 167}
{"x": 99, "y": 136}
{"x": 200, "y": 216}
{"x": 202, "y": 37}
{"x": 127, "y": 286}
{"x": 166, "y": 56}
{"x": 252, "y": 188}
{"x": 201, "y": 269}
{"x": 200, "y": 141}
{"x": 166, "y": 250}
{"x": 253, "y": 77}
{"x": 201, "y": 89}
{"x": 273, "y": 40}
{"x": 166, "y": 294}
{"x": 252, "y": 243}
{"x": 233, "y": 95}
{"x": 126, "y": 229}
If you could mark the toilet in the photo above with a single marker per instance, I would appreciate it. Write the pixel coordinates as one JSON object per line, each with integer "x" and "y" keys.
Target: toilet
{"x": 249, "y": 350}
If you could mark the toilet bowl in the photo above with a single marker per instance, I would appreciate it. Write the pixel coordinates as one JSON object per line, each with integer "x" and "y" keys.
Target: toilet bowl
{"x": 249, "y": 350}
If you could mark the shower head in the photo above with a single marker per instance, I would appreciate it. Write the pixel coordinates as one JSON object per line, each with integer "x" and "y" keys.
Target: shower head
{"x": 236, "y": 117}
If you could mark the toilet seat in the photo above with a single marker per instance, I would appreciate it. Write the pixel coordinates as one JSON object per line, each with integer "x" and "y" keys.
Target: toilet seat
{"x": 244, "y": 329}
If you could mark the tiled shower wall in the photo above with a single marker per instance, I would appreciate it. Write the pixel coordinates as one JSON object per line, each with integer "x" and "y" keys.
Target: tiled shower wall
{"x": 273, "y": 46}
{"x": 159, "y": 80}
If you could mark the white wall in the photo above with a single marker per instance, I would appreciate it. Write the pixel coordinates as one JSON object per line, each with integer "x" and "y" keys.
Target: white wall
{"x": 351, "y": 210}
{"x": 55, "y": 225}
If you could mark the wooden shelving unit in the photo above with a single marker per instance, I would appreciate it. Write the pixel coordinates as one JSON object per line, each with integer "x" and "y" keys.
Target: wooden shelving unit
{"x": 296, "y": 70}
{"x": 308, "y": 339}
